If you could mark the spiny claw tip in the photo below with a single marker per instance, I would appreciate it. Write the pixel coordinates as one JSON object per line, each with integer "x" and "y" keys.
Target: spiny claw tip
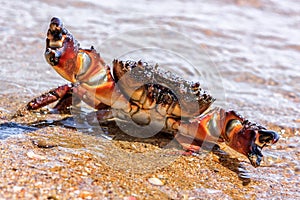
{"x": 268, "y": 137}
{"x": 57, "y": 21}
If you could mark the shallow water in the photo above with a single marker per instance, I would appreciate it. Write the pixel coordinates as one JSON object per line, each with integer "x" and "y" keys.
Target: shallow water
{"x": 254, "y": 45}
{"x": 7, "y": 129}
{"x": 245, "y": 52}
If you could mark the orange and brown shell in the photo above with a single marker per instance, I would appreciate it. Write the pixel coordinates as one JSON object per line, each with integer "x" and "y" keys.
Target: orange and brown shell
{"x": 148, "y": 85}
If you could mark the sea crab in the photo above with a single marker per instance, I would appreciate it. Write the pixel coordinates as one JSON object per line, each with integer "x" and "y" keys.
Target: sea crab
{"x": 129, "y": 89}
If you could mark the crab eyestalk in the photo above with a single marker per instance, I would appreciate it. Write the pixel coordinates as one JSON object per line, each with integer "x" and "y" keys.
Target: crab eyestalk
{"x": 248, "y": 138}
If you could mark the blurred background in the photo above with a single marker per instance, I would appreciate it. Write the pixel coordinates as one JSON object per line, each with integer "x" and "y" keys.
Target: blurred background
{"x": 254, "y": 45}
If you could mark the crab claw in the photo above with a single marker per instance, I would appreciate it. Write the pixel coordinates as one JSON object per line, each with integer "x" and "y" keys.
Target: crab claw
{"x": 267, "y": 137}
{"x": 250, "y": 139}
{"x": 262, "y": 138}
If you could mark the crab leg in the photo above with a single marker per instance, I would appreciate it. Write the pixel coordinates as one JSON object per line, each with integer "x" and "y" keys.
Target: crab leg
{"x": 60, "y": 93}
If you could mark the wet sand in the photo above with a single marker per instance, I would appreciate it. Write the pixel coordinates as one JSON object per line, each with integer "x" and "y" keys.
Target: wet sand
{"x": 53, "y": 163}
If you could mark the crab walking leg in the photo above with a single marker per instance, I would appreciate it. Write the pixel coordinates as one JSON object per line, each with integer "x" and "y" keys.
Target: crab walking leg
{"x": 50, "y": 97}
{"x": 64, "y": 95}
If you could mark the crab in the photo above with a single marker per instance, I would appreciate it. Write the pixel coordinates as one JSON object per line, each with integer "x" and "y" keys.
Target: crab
{"x": 146, "y": 95}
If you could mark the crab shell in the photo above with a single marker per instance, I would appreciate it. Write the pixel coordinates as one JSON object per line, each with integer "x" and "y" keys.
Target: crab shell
{"x": 149, "y": 86}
